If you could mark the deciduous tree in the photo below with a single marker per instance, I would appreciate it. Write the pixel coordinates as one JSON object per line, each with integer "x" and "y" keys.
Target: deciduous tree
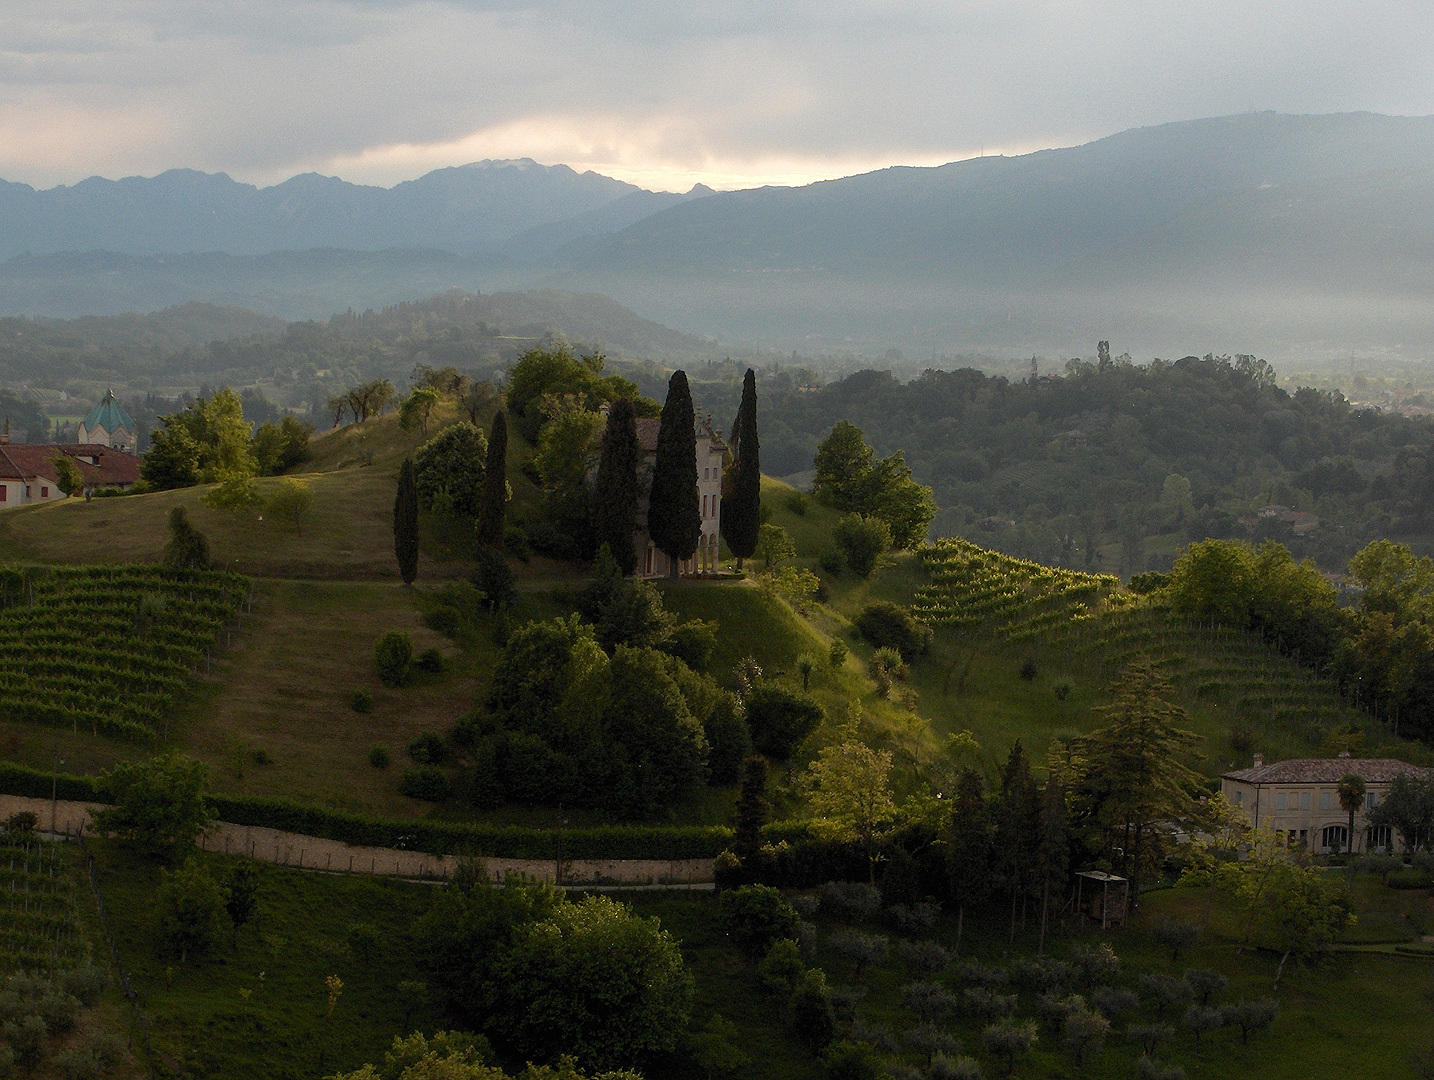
{"x": 158, "y": 804}
{"x": 851, "y": 787}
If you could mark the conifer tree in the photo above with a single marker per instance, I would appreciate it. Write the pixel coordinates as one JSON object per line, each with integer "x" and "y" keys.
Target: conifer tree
{"x": 1018, "y": 823}
{"x": 968, "y": 847}
{"x": 741, "y": 510}
{"x": 751, "y": 808}
{"x": 615, "y": 495}
{"x": 1133, "y": 777}
{"x": 1053, "y": 853}
{"x": 495, "y": 485}
{"x": 674, "y": 514}
{"x": 405, "y": 523}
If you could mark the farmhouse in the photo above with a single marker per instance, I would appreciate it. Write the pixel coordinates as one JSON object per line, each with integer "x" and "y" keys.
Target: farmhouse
{"x": 1300, "y": 798}
{"x": 651, "y": 562}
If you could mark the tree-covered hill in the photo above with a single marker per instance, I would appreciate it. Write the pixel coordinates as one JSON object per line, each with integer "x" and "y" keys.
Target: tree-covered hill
{"x": 1090, "y": 468}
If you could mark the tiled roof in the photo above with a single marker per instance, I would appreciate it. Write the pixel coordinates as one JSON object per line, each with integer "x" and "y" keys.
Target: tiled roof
{"x": 109, "y": 415}
{"x": 1327, "y": 771}
{"x": 647, "y": 427}
{"x": 26, "y": 461}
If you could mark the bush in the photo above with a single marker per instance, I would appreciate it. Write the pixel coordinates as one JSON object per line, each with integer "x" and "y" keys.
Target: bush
{"x": 1410, "y": 879}
{"x": 428, "y": 749}
{"x": 427, "y": 782}
{"x": 782, "y": 968}
{"x": 363, "y": 941}
{"x": 847, "y": 1060}
{"x": 797, "y": 503}
{"x": 832, "y": 561}
{"x": 79, "y": 1063}
{"x": 191, "y": 911}
{"x": 361, "y": 701}
{"x": 863, "y": 540}
{"x": 836, "y": 655}
{"x": 854, "y": 901}
{"x": 757, "y": 916}
{"x": 86, "y": 982}
{"x": 392, "y": 657}
{"x": 378, "y": 757}
{"x": 728, "y": 741}
{"x": 1028, "y": 670}
{"x": 494, "y": 579}
{"x": 431, "y": 661}
{"x": 812, "y": 1013}
{"x": 780, "y": 719}
{"x": 886, "y": 624}
{"x": 692, "y": 643}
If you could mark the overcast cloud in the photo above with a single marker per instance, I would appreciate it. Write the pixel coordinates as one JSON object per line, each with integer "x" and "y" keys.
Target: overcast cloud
{"x": 726, "y": 93}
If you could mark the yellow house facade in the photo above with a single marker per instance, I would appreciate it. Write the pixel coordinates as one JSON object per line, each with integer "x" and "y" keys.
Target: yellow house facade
{"x": 1299, "y": 799}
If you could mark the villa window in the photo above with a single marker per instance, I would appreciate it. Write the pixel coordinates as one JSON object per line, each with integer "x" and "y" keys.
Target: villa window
{"x": 1239, "y": 798}
{"x": 1304, "y": 800}
{"x": 1279, "y": 800}
{"x": 1324, "y": 800}
{"x": 1371, "y": 800}
{"x": 44, "y": 492}
{"x": 4, "y": 492}
{"x": 1377, "y": 838}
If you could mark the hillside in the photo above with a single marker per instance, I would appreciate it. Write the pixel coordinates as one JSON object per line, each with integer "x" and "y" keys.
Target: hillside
{"x": 1072, "y": 467}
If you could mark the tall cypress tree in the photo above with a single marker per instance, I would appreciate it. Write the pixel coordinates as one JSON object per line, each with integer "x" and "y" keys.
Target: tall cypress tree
{"x": 495, "y": 485}
{"x": 742, "y": 509}
{"x": 405, "y": 523}
{"x": 674, "y": 514}
{"x": 615, "y": 497}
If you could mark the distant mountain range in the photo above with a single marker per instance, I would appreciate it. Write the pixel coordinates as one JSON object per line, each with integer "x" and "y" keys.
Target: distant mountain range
{"x": 481, "y": 207}
{"x": 1288, "y": 235}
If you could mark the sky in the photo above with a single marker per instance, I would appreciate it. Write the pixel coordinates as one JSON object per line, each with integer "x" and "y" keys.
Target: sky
{"x": 658, "y": 93}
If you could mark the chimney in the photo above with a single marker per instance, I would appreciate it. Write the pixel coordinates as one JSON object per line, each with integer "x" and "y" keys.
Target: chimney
{"x": 5, "y": 436}
{"x": 1344, "y": 753}
{"x": 1259, "y": 760}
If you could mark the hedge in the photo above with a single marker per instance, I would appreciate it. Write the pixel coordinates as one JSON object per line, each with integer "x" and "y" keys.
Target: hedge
{"x": 426, "y": 834}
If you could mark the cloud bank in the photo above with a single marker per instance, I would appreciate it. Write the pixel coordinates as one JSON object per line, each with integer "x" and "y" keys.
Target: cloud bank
{"x": 729, "y": 94}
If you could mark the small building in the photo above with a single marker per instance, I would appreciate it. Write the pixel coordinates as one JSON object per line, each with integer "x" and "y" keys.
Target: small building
{"x": 1102, "y": 896}
{"x": 108, "y": 425}
{"x": 652, "y": 561}
{"x": 1299, "y": 799}
{"x": 28, "y": 473}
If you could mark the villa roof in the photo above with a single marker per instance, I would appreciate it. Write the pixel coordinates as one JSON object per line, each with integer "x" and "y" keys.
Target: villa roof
{"x": 1327, "y": 771}
{"x": 110, "y": 415}
{"x": 27, "y": 461}
{"x": 647, "y": 428}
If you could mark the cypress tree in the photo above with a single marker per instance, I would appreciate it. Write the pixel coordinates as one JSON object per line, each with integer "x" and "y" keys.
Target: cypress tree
{"x": 615, "y": 497}
{"x": 674, "y": 514}
{"x": 405, "y": 523}
{"x": 752, "y": 808}
{"x": 742, "y": 510}
{"x": 495, "y": 485}
{"x": 968, "y": 847}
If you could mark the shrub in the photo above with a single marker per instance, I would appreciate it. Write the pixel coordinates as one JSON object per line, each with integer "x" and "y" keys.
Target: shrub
{"x": 780, "y": 719}
{"x": 427, "y": 782}
{"x": 957, "y": 1068}
{"x": 363, "y": 941}
{"x": 1147, "y": 1068}
{"x": 836, "y": 655}
{"x": 886, "y": 624}
{"x": 430, "y": 660}
{"x": 863, "y": 540}
{"x": 494, "y": 579}
{"x": 1028, "y": 670}
{"x": 756, "y": 916}
{"x": 361, "y": 701}
{"x": 26, "y": 1036}
{"x": 1410, "y": 879}
{"x": 79, "y": 1063}
{"x": 427, "y": 749}
{"x": 832, "y": 561}
{"x": 852, "y": 900}
{"x": 692, "y": 643}
{"x": 378, "y": 757}
{"x": 392, "y": 657}
{"x": 847, "y": 1060}
{"x": 782, "y": 968}
{"x": 728, "y": 741}
{"x": 191, "y": 908}
{"x": 812, "y": 1013}
{"x": 797, "y": 503}
{"x": 86, "y": 982}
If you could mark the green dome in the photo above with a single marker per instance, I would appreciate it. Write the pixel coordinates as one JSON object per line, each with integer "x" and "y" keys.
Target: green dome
{"x": 109, "y": 415}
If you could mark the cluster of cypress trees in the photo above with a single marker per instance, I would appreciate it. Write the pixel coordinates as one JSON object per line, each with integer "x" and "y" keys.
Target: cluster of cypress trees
{"x": 674, "y": 516}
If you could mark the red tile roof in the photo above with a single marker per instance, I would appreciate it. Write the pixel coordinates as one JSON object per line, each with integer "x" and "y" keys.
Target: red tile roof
{"x": 26, "y": 461}
{"x": 1327, "y": 771}
{"x": 647, "y": 427}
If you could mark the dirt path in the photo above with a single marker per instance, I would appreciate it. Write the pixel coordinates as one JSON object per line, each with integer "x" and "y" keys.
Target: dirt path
{"x": 334, "y": 856}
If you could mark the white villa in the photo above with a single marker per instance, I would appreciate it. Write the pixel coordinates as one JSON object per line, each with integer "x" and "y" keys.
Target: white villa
{"x": 1300, "y": 799}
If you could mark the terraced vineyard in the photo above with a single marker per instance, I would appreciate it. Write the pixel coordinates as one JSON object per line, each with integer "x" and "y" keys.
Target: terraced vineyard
{"x": 39, "y": 920}
{"x": 973, "y": 586}
{"x": 107, "y": 648}
{"x": 1088, "y": 616}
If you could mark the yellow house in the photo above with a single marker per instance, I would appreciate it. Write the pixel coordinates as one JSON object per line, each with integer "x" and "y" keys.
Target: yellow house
{"x": 1300, "y": 798}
